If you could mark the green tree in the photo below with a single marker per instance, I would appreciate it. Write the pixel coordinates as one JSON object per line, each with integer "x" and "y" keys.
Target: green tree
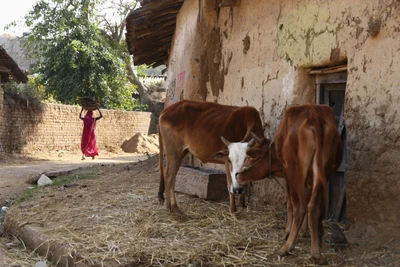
{"x": 114, "y": 26}
{"x": 77, "y": 56}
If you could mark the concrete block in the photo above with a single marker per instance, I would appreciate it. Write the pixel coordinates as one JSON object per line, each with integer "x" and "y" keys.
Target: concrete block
{"x": 203, "y": 182}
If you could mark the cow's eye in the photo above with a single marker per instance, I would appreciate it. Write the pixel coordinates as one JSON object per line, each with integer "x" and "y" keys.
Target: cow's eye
{"x": 229, "y": 160}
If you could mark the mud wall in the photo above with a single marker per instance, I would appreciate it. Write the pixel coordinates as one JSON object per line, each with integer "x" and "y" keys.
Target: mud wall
{"x": 58, "y": 127}
{"x": 259, "y": 53}
{"x": 1, "y": 115}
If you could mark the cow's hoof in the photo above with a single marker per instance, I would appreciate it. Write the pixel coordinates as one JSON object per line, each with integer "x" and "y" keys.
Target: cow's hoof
{"x": 284, "y": 253}
{"x": 174, "y": 209}
{"x": 318, "y": 261}
{"x": 161, "y": 198}
{"x": 232, "y": 211}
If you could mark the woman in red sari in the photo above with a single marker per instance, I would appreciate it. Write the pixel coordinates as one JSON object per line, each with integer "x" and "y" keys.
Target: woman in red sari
{"x": 88, "y": 142}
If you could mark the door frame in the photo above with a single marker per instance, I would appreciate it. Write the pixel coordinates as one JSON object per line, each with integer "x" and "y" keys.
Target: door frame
{"x": 327, "y": 81}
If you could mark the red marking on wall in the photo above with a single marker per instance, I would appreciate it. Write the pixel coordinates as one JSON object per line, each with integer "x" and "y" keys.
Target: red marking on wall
{"x": 180, "y": 80}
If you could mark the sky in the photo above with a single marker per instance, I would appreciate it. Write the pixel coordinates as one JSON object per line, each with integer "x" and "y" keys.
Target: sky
{"x": 14, "y": 10}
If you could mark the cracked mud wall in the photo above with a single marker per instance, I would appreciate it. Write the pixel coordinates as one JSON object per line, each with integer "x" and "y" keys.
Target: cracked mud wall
{"x": 259, "y": 53}
{"x": 372, "y": 115}
{"x": 2, "y": 128}
{"x": 195, "y": 54}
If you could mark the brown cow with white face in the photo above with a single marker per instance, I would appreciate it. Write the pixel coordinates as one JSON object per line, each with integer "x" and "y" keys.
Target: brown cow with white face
{"x": 306, "y": 151}
{"x": 196, "y": 127}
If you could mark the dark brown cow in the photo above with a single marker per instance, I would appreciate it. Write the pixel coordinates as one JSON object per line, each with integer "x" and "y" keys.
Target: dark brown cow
{"x": 196, "y": 127}
{"x": 307, "y": 150}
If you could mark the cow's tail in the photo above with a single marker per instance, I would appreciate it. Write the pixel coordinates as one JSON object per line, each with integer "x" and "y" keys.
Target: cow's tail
{"x": 161, "y": 164}
{"x": 318, "y": 158}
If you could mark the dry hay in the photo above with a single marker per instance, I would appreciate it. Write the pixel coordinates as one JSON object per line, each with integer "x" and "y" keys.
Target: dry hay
{"x": 115, "y": 220}
{"x": 18, "y": 256}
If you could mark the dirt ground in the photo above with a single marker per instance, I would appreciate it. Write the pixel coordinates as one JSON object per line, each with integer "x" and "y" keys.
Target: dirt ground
{"x": 17, "y": 172}
{"x": 111, "y": 217}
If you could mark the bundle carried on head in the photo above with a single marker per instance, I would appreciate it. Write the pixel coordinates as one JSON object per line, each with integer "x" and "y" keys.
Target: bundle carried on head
{"x": 89, "y": 103}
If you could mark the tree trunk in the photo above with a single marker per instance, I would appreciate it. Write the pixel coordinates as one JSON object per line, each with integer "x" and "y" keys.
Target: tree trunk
{"x": 134, "y": 79}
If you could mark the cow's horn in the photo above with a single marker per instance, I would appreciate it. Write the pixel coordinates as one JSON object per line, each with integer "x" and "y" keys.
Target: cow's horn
{"x": 226, "y": 142}
{"x": 250, "y": 143}
{"x": 255, "y": 137}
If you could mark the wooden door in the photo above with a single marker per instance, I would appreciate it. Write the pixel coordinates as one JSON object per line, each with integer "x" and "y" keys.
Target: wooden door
{"x": 331, "y": 91}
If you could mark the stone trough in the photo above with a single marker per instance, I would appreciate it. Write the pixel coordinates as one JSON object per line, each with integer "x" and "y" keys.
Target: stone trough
{"x": 205, "y": 183}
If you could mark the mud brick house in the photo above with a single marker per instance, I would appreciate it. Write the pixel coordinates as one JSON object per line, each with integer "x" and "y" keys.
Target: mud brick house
{"x": 276, "y": 54}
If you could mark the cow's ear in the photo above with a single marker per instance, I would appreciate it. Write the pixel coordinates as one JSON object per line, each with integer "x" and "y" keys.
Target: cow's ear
{"x": 254, "y": 153}
{"x": 221, "y": 155}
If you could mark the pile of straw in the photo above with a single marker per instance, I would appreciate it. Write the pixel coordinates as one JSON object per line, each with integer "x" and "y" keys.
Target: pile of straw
{"x": 115, "y": 220}
{"x": 18, "y": 256}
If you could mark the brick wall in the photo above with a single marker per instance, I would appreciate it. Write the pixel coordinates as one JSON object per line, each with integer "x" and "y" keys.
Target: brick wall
{"x": 58, "y": 127}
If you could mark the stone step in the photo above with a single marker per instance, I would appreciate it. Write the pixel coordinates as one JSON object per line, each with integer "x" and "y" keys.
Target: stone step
{"x": 205, "y": 183}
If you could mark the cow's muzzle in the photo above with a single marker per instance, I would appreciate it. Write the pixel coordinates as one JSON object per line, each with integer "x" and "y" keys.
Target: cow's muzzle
{"x": 238, "y": 190}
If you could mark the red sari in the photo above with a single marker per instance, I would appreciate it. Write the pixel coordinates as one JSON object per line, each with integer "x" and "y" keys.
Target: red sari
{"x": 88, "y": 142}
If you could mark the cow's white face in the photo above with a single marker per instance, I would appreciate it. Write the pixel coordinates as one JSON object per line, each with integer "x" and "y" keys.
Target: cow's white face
{"x": 237, "y": 155}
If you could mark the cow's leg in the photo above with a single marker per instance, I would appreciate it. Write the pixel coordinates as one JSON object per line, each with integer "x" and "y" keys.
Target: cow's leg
{"x": 232, "y": 203}
{"x": 172, "y": 166}
{"x": 232, "y": 200}
{"x": 161, "y": 190}
{"x": 242, "y": 197}
{"x": 289, "y": 207}
{"x": 316, "y": 207}
{"x": 316, "y": 211}
{"x": 304, "y": 227}
{"x": 321, "y": 208}
{"x": 299, "y": 211}
{"x": 170, "y": 178}
{"x": 296, "y": 174}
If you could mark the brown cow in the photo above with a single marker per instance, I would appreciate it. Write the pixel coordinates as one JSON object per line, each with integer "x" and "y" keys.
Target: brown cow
{"x": 307, "y": 150}
{"x": 196, "y": 127}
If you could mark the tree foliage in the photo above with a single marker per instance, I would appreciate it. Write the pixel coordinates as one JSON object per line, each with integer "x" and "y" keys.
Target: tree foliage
{"x": 80, "y": 54}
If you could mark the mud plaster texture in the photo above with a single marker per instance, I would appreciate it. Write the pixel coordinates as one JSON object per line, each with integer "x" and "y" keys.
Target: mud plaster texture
{"x": 259, "y": 53}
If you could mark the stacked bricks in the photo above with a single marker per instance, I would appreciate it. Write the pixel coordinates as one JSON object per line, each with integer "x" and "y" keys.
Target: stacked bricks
{"x": 58, "y": 127}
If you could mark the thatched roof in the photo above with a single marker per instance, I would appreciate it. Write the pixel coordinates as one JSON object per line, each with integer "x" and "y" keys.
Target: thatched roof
{"x": 9, "y": 69}
{"x": 150, "y": 30}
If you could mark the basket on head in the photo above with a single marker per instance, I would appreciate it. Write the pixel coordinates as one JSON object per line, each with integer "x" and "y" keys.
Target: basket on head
{"x": 89, "y": 103}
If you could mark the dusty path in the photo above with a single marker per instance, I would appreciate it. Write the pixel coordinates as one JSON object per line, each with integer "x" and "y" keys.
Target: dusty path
{"x": 14, "y": 177}
{"x": 15, "y": 173}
